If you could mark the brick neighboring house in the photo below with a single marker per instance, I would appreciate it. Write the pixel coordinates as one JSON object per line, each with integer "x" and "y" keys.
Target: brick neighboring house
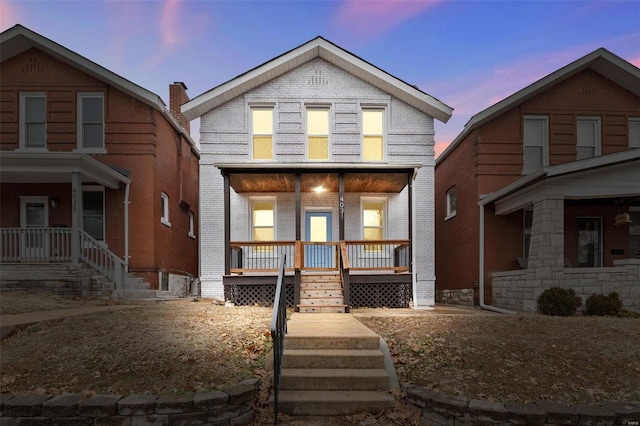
{"x": 542, "y": 189}
{"x": 322, "y": 156}
{"x": 93, "y": 167}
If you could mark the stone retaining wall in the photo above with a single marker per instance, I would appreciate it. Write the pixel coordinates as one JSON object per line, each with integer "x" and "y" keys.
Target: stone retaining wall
{"x": 519, "y": 290}
{"x": 232, "y": 406}
{"x": 443, "y": 410}
{"x": 462, "y": 297}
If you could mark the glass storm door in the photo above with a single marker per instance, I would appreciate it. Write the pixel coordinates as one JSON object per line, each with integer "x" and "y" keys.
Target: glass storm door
{"x": 34, "y": 217}
{"x": 589, "y": 242}
{"x": 318, "y": 230}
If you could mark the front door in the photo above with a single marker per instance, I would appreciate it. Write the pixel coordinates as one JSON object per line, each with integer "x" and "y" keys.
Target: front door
{"x": 589, "y": 242}
{"x": 34, "y": 217}
{"x": 318, "y": 230}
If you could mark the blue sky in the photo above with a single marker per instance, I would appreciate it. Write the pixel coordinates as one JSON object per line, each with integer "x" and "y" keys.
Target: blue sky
{"x": 468, "y": 54}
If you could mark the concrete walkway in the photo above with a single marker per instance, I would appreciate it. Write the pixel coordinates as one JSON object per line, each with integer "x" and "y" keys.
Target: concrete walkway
{"x": 8, "y": 323}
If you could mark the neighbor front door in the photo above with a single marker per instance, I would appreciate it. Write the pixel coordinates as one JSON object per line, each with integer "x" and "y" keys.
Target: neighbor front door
{"x": 34, "y": 216}
{"x": 318, "y": 230}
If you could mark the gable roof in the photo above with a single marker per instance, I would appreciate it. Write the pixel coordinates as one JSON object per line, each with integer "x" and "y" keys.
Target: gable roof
{"x": 19, "y": 39}
{"x": 601, "y": 60}
{"x": 317, "y": 48}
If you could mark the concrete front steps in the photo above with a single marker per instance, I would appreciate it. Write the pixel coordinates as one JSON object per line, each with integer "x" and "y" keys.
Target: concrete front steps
{"x": 332, "y": 365}
{"x": 321, "y": 293}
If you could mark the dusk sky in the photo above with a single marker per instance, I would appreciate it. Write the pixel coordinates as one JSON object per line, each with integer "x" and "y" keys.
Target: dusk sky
{"x": 468, "y": 54}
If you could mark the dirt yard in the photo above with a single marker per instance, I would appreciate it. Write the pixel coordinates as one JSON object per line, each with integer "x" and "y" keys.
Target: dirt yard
{"x": 185, "y": 346}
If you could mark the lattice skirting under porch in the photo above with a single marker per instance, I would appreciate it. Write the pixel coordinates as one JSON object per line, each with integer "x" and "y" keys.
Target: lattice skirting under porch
{"x": 259, "y": 294}
{"x": 379, "y": 295}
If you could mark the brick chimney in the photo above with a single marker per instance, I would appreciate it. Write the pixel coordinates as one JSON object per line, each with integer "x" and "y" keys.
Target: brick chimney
{"x": 178, "y": 96}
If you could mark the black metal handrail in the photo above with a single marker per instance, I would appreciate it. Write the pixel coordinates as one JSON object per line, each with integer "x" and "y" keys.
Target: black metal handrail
{"x": 278, "y": 331}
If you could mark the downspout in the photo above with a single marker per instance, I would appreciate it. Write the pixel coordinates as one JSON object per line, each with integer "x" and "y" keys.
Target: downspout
{"x": 481, "y": 270}
{"x": 126, "y": 226}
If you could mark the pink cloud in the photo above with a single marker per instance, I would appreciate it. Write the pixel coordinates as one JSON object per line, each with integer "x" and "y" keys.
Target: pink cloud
{"x": 635, "y": 61}
{"x": 365, "y": 19}
{"x": 9, "y": 15}
{"x": 170, "y": 24}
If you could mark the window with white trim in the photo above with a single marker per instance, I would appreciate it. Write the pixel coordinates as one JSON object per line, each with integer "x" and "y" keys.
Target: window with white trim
{"x": 588, "y": 137}
{"x": 318, "y": 133}
{"x": 262, "y": 133}
{"x": 164, "y": 209}
{"x": 33, "y": 120}
{"x": 192, "y": 232}
{"x": 373, "y": 134}
{"x": 535, "y": 137}
{"x": 263, "y": 221}
{"x": 634, "y": 132}
{"x": 452, "y": 201}
{"x": 373, "y": 222}
{"x": 91, "y": 121}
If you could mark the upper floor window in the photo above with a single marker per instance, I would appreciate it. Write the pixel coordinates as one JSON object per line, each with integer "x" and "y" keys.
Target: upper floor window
{"x": 535, "y": 137}
{"x": 373, "y": 134}
{"x": 588, "y": 141}
{"x": 90, "y": 121}
{"x": 634, "y": 132}
{"x": 262, "y": 133}
{"x": 452, "y": 201}
{"x": 318, "y": 134}
{"x": 164, "y": 209}
{"x": 33, "y": 120}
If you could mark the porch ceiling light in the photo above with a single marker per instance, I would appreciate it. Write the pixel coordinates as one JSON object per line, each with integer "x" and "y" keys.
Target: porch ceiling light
{"x": 319, "y": 189}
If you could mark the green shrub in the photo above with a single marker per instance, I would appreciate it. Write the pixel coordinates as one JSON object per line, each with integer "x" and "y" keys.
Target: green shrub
{"x": 599, "y": 304}
{"x": 559, "y": 301}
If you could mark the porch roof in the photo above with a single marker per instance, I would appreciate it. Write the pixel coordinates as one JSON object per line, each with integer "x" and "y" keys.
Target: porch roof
{"x": 358, "y": 177}
{"x": 607, "y": 176}
{"x": 57, "y": 167}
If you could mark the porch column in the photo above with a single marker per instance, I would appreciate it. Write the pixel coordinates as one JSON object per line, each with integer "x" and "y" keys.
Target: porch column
{"x": 76, "y": 214}
{"x": 341, "y": 205}
{"x": 296, "y": 271}
{"x": 545, "y": 266}
{"x": 227, "y": 225}
{"x": 410, "y": 224}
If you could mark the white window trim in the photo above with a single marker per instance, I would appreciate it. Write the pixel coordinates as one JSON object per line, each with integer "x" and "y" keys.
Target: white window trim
{"x": 192, "y": 225}
{"x": 635, "y": 121}
{"x": 265, "y": 106}
{"x": 545, "y": 142}
{"x": 318, "y": 107}
{"x": 165, "y": 200}
{"x": 98, "y": 188}
{"x": 23, "y": 115}
{"x": 374, "y": 107}
{"x": 450, "y": 214}
{"x": 79, "y": 139}
{"x": 598, "y": 136}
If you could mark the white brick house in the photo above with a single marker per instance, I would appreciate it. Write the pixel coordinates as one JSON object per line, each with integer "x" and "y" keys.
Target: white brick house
{"x": 317, "y": 146}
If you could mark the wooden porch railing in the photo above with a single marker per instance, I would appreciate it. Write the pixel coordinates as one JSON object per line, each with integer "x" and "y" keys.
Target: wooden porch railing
{"x": 35, "y": 245}
{"x": 261, "y": 256}
{"x": 379, "y": 255}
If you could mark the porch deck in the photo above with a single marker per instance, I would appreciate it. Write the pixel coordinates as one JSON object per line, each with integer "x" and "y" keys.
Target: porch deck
{"x": 372, "y": 273}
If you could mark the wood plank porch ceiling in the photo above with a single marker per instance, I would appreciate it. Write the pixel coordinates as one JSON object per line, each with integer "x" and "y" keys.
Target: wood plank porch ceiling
{"x": 285, "y": 182}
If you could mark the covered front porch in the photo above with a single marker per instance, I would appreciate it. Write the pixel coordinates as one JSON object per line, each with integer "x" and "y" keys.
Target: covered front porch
{"x": 43, "y": 213}
{"x": 347, "y": 224}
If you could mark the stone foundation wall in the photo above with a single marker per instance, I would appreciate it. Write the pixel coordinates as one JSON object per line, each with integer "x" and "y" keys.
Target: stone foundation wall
{"x": 443, "y": 410}
{"x": 519, "y": 290}
{"x": 463, "y": 297}
{"x": 232, "y": 406}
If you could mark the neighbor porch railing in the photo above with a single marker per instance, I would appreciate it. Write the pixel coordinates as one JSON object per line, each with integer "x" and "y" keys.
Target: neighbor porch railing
{"x": 35, "y": 245}
{"x": 102, "y": 259}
